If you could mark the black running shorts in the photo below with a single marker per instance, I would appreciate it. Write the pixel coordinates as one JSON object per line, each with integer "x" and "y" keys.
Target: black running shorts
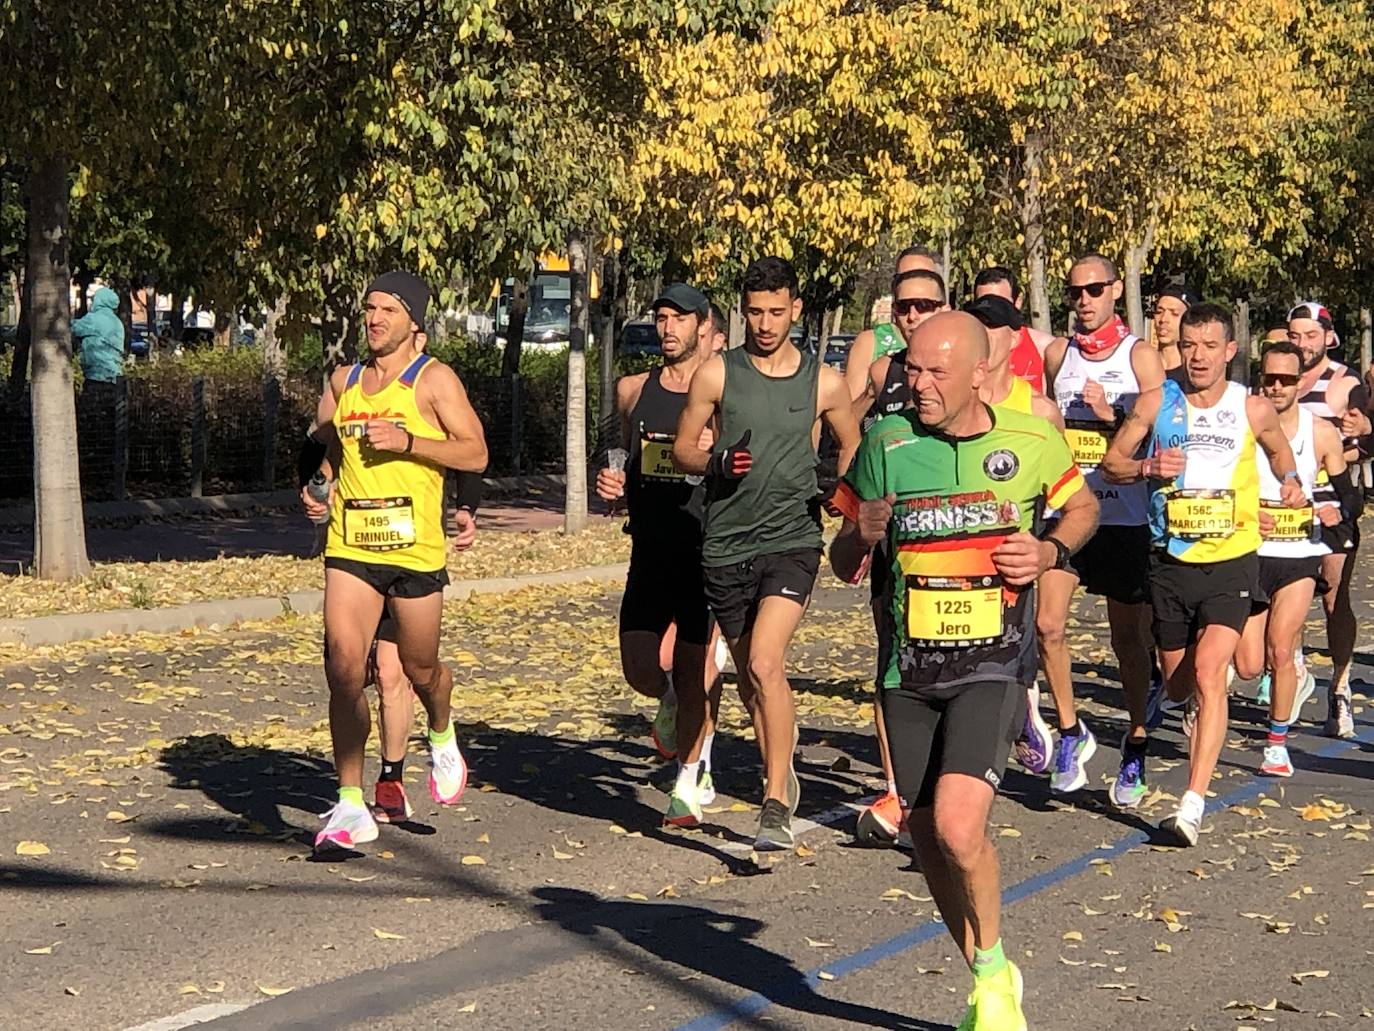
{"x": 735, "y": 590}
{"x": 665, "y": 586}
{"x": 1276, "y": 573}
{"x": 1115, "y": 564}
{"x": 969, "y": 728}
{"x": 392, "y": 581}
{"x": 1188, "y": 596}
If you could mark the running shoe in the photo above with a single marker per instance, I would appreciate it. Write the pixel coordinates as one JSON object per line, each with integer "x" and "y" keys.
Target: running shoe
{"x": 664, "y": 729}
{"x": 448, "y": 773}
{"x": 1340, "y": 719}
{"x": 684, "y": 809}
{"x": 1307, "y": 684}
{"x": 995, "y": 1003}
{"x": 1129, "y": 787}
{"x": 1266, "y": 683}
{"x": 1035, "y": 745}
{"x": 879, "y": 823}
{"x": 706, "y": 788}
{"x": 1071, "y": 760}
{"x": 392, "y": 805}
{"x": 1183, "y": 826}
{"x": 346, "y": 826}
{"x": 1276, "y": 762}
{"x": 775, "y": 828}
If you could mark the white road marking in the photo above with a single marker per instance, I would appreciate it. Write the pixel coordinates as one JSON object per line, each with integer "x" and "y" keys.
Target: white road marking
{"x": 191, "y": 1017}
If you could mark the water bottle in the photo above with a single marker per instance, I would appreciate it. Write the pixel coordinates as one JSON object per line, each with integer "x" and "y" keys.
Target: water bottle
{"x": 318, "y": 488}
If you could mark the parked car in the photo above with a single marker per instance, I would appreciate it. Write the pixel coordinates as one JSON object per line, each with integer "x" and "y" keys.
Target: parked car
{"x": 837, "y": 349}
{"x": 804, "y": 342}
{"x": 639, "y": 337}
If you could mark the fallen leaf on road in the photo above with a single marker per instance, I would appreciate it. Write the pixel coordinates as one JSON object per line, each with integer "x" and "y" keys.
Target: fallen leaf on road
{"x": 31, "y": 848}
{"x": 388, "y": 936}
{"x": 189, "y": 989}
{"x": 819, "y": 944}
{"x": 1073, "y": 936}
{"x": 469, "y": 1008}
{"x": 269, "y": 990}
{"x": 1163, "y": 947}
{"x": 638, "y": 896}
{"x": 825, "y": 975}
{"x": 1303, "y": 975}
{"x": 46, "y": 950}
{"x": 474, "y": 861}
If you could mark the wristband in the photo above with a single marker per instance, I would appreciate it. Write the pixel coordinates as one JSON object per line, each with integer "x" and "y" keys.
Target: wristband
{"x": 467, "y": 490}
{"x": 410, "y": 441}
{"x": 1291, "y": 474}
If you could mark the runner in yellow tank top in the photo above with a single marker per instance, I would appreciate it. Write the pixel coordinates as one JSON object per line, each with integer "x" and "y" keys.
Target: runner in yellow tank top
{"x": 391, "y": 424}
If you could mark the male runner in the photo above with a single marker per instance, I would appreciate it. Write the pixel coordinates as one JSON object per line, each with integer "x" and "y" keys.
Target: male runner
{"x": 1204, "y": 525}
{"x": 1326, "y": 390}
{"x": 1001, "y": 321}
{"x": 392, "y": 425}
{"x": 1170, "y": 305}
{"x": 957, "y": 488}
{"x": 1096, "y": 377}
{"x": 884, "y": 338}
{"x": 1028, "y": 352}
{"x": 1290, "y": 552}
{"x": 664, "y": 590}
{"x": 762, "y": 528}
{"x": 917, "y": 294}
{"x": 715, "y": 333}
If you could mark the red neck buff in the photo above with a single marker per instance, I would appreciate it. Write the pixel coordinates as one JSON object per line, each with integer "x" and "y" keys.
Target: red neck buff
{"x": 1104, "y": 338}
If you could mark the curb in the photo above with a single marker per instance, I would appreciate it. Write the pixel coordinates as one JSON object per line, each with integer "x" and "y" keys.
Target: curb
{"x": 85, "y": 626}
{"x": 21, "y": 517}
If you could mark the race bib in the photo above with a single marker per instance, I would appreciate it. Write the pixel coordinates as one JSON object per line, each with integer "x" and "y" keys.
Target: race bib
{"x": 656, "y": 456}
{"x": 378, "y": 524}
{"x": 1290, "y": 524}
{"x": 1195, "y": 515}
{"x": 953, "y": 611}
{"x": 1088, "y": 443}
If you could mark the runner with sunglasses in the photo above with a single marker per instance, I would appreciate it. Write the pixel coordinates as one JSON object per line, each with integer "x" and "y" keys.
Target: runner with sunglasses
{"x": 1327, "y": 390}
{"x": 1204, "y": 527}
{"x": 918, "y": 294}
{"x": 1290, "y": 556}
{"x": 1096, "y": 377}
{"x": 884, "y": 338}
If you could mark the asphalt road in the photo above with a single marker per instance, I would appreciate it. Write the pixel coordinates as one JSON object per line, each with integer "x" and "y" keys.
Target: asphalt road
{"x": 171, "y": 785}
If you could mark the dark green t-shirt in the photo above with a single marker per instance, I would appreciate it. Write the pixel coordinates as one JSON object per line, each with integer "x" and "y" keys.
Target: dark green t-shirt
{"x": 774, "y": 508}
{"x": 951, "y": 617}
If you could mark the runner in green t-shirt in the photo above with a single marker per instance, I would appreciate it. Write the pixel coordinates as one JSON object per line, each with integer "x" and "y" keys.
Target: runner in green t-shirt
{"x": 958, "y": 489}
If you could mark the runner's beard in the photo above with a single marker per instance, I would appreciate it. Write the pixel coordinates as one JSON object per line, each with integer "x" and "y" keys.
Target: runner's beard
{"x": 689, "y": 351}
{"x": 1308, "y": 366}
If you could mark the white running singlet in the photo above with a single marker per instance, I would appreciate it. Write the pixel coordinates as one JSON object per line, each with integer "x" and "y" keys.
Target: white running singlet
{"x": 1297, "y": 532}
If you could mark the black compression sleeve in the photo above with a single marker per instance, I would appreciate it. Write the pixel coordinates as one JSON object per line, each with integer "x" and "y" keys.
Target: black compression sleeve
{"x": 467, "y": 490}
{"x": 1352, "y": 504}
{"x": 308, "y": 459}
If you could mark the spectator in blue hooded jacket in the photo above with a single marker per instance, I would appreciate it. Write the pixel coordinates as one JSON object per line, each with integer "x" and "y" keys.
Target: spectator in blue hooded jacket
{"x": 101, "y": 338}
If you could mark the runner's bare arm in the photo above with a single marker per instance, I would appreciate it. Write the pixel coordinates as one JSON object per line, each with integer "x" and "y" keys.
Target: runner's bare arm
{"x": 703, "y": 397}
{"x": 1120, "y": 464}
{"x": 1330, "y": 447}
{"x": 838, "y": 412}
{"x": 1148, "y": 366}
{"x": 1264, "y": 424}
{"x": 464, "y": 446}
{"x": 1048, "y": 410}
{"x": 1077, "y": 519}
{"x": 1331, "y": 456}
{"x": 857, "y": 362}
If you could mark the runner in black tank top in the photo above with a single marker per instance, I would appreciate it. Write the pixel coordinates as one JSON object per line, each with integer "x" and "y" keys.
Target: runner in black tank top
{"x": 664, "y": 610}
{"x": 762, "y": 542}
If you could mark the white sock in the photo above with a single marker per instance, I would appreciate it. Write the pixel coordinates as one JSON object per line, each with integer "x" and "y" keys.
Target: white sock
{"x": 687, "y": 774}
{"x": 706, "y": 750}
{"x": 892, "y": 787}
{"x": 1192, "y": 802}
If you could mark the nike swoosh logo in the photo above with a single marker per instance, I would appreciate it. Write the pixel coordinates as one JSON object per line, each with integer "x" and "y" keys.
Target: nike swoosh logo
{"x": 892, "y": 388}
{"x": 799, "y": 408}
{"x": 791, "y": 593}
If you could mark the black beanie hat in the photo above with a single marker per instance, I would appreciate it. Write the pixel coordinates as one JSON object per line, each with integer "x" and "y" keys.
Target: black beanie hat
{"x": 407, "y": 288}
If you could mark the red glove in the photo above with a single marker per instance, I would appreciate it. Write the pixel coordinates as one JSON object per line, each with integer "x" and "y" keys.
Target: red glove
{"x": 733, "y": 462}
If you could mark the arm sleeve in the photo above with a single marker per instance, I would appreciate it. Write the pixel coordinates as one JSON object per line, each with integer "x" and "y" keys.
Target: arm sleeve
{"x": 1352, "y": 504}
{"x": 308, "y": 459}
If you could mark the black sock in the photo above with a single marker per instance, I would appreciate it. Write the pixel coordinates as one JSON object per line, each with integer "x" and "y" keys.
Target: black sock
{"x": 391, "y": 768}
{"x": 1073, "y": 731}
{"x": 1135, "y": 746}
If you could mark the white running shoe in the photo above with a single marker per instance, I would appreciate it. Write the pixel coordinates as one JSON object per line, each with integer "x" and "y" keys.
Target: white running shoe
{"x": 346, "y": 826}
{"x": 448, "y": 772}
{"x": 1183, "y": 826}
{"x": 1276, "y": 762}
{"x": 1307, "y": 684}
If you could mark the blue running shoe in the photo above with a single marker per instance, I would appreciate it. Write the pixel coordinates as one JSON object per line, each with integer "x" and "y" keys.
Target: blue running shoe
{"x": 1129, "y": 787}
{"x": 1035, "y": 744}
{"x": 1071, "y": 760}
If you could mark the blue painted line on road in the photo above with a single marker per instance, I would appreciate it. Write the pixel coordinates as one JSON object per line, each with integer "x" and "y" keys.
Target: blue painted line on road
{"x": 755, "y": 1004}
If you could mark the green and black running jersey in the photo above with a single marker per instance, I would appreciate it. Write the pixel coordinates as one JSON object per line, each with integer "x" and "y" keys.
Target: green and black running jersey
{"x": 950, "y": 616}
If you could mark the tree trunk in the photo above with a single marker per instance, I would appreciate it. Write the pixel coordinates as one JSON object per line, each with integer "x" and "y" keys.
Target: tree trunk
{"x": 515, "y": 325}
{"x": 1033, "y": 232}
{"x": 1240, "y": 365}
{"x": 1136, "y": 255}
{"x": 837, "y": 321}
{"x": 605, "y": 339}
{"x": 226, "y": 328}
{"x": 59, "y": 528}
{"x": 338, "y": 323}
{"x": 1366, "y": 339}
{"x": 273, "y": 353}
{"x": 575, "y": 506}
{"x": 176, "y": 318}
